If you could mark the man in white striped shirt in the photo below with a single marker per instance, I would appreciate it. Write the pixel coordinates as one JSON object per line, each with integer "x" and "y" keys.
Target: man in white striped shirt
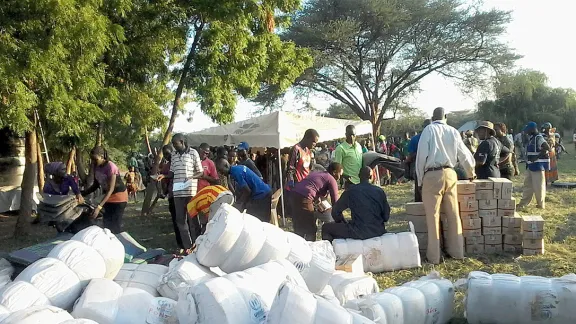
{"x": 440, "y": 149}
{"x": 185, "y": 170}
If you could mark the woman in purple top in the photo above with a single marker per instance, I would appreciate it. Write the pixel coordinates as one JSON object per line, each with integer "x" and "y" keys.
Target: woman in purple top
{"x": 308, "y": 193}
{"x": 58, "y": 182}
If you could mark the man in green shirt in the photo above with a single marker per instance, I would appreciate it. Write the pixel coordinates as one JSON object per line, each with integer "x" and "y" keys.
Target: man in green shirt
{"x": 349, "y": 154}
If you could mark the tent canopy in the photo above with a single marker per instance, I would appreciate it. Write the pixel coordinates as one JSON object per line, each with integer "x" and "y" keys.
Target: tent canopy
{"x": 471, "y": 125}
{"x": 278, "y": 129}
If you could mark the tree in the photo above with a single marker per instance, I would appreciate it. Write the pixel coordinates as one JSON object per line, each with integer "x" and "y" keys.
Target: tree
{"x": 49, "y": 49}
{"x": 340, "y": 111}
{"x": 232, "y": 51}
{"x": 368, "y": 54}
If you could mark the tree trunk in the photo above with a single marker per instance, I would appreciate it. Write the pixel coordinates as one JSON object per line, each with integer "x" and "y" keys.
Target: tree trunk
{"x": 147, "y": 140}
{"x": 70, "y": 162}
{"x": 81, "y": 167}
{"x": 40, "y": 166}
{"x": 151, "y": 189}
{"x": 27, "y": 194}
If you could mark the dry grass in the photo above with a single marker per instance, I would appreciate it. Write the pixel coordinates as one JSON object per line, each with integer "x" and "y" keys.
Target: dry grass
{"x": 560, "y": 257}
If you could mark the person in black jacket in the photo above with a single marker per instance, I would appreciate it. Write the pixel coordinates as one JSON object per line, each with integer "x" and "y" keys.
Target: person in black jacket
{"x": 489, "y": 152}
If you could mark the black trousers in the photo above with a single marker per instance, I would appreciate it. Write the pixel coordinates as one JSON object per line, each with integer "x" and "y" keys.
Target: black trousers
{"x": 507, "y": 172}
{"x": 189, "y": 228}
{"x": 332, "y": 231}
{"x": 112, "y": 216}
{"x": 172, "y": 210}
{"x": 261, "y": 208}
{"x": 417, "y": 191}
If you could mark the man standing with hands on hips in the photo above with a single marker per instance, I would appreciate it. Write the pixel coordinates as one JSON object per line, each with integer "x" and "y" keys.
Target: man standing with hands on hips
{"x": 440, "y": 149}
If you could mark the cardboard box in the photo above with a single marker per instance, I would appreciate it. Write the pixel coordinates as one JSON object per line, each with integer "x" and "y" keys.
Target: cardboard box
{"x": 533, "y": 244}
{"x": 415, "y": 209}
{"x": 484, "y": 184}
{"x": 491, "y": 230}
{"x": 484, "y": 194}
{"x": 474, "y": 240}
{"x": 532, "y": 252}
{"x": 506, "y": 212}
{"x": 509, "y": 204}
{"x": 471, "y": 233}
{"x": 532, "y": 224}
{"x": 492, "y": 221}
{"x": 352, "y": 263}
{"x": 513, "y": 239}
{"x": 422, "y": 240}
{"x": 533, "y": 235}
{"x": 419, "y": 223}
{"x": 502, "y": 188}
{"x": 475, "y": 248}
{"x": 493, "y": 239}
{"x": 512, "y": 248}
{"x": 512, "y": 224}
{"x": 493, "y": 248}
{"x": 472, "y": 214}
{"x": 471, "y": 223}
{"x": 465, "y": 187}
{"x": 488, "y": 213}
{"x": 488, "y": 204}
{"x": 466, "y": 198}
{"x": 469, "y": 206}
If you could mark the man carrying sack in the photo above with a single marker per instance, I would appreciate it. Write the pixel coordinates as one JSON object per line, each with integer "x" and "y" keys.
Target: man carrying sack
{"x": 440, "y": 148}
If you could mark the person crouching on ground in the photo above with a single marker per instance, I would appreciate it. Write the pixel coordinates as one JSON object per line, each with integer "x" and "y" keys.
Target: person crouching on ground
{"x": 207, "y": 201}
{"x": 58, "y": 182}
{"x": 252, "y": 194}
{"x": 306, "y": 200}
{"x": 369, "y": 209}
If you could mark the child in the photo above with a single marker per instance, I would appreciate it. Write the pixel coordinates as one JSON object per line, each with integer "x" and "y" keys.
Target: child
{"x": 132, "y": 181}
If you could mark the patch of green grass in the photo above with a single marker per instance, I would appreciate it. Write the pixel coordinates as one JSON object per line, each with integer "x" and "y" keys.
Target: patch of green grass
{"x": 560, "y": 236}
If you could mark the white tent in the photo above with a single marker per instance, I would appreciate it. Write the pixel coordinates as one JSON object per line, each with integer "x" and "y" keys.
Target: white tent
{"x": 471, "y": 125}
{"x": 278, "y": 129}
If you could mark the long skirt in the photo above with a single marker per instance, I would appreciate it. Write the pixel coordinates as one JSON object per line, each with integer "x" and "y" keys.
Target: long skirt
{"x": 552, "y": 174}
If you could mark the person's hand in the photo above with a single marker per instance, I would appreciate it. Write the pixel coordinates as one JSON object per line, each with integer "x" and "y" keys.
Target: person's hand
{"x": 80, "y": 199}
{"x": 160, "y": 177}
{"x": 96, "y": 212}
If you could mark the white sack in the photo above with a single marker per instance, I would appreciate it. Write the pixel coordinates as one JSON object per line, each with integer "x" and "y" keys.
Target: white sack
{"x": 20, "y": 295}
{"x": 133, "y": 306}
{"x": 322, "y": 266}
{"x": 6, "y": 271}
{"x": 162, "y": 311}
{"x": 4, "y": 312}
{"x": 295, "y": 304}
{"x": 275, "y": 247}
{"x": 38, "y": 315}
{"x": 222, "y": 232}
{"x": 143, "y": 276}
{"x": 181, "y": 274}
{"x": 238, "y": 298}
{"x": 80, "y": 321}
{"x": 300, "y": 253}
{"x": 55, "y": 280}
{"x": 247, "y": 247}
{"x": 85, "y": 261}
{"x": 99, "y": 302}
{"x": 348, "y": 286}
{"x": 109, "y": 247}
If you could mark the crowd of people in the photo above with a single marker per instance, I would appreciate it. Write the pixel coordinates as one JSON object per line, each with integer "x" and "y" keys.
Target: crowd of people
{"x": 197, "y": 180}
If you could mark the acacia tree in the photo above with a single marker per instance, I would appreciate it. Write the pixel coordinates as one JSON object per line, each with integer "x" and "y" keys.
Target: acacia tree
{"x": 368, "y": 54}
{"x": 233, "y": 51}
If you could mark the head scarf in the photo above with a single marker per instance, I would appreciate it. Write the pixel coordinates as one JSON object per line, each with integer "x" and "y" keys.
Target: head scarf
{"x": 55, "y": 169}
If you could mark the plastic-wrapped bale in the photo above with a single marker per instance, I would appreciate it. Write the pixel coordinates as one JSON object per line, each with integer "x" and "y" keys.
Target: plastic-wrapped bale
{"x": 388, "y": 252}
{"x": 79, "y": 321}
{"x": 162, "y": 311}
{"x": 143, "y": 276}
{"x": 109, "y": 247}
{"x": 99, "y": 302}
{"x": 328, "y": 294}
{"x": 4, "y": 312}
{"x": 55, "y": 280}
{"x": 247, "y": 247}
{"x": 240, "y": 298}
{"x": 38, "y": 315}
{"x": 295, "y": 304}
{"x": 20, "y": 295}
{"x": 429, "y": 300}
{"x": 6, "y": 271}
{"x": 133, "y": 306}
{"x": 348, "y": 286}
{"x": 505, "y": 298}
{"x": 85, "y": 261}
{"x": 275, "y": 247}
{"x": 182, "y": 274}
{"x": 300, "y": 252}
{"x": 318, "y": 273}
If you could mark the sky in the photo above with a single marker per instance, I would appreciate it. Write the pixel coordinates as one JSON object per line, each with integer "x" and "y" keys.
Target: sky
{"x": 541, "y": 31}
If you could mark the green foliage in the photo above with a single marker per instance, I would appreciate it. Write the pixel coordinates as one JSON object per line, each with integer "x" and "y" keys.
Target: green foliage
{"x": 525, "y": 96}
{"x": 369, "y": 54}
{"x": 340, "y": 111}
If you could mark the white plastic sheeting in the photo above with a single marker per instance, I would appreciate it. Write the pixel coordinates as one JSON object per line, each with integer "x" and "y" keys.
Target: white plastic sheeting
{"x": 182, "y": 274}
{"x": 236, "y": 241}
{"x": 38, "y": 315}
{"x": 6, "y": 271}
{"x": 133, "y": 306}
{"x": 295, "y": 304}
{"x": 348, "y": 286}
{"x": 143, "y": 276}
{"x": 505, "y": 298}
{"x": 388, "y": 252}
{"x": 109, "y": 247}
{"x": 85, "y": 261}
{"x": 300, "y": 252}
{"x": 20, "y": 295}
{"x": 318, "y": 273}
{"x": 99, "y": 302}
{"x": 429, "y": 300}
{"x": 55, "y": 280}
{"x": 79, "y": 321}
{"x": 162, "y": 311}
{"x": 238, "y": 298}
{"x": 4, "y": 312}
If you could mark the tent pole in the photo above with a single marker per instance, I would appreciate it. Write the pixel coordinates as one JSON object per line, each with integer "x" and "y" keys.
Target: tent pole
{"x": 281, "y": 187}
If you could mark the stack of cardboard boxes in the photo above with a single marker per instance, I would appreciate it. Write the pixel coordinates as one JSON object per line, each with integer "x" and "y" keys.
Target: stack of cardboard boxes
{"x": 533, "y": 235}
{"x": 417, "y": 215}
